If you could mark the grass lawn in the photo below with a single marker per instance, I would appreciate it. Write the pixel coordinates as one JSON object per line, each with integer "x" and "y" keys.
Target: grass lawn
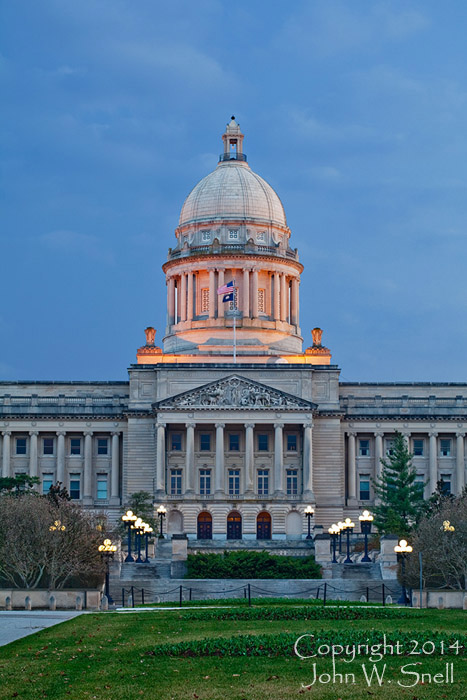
{"x": 108, "y": 656}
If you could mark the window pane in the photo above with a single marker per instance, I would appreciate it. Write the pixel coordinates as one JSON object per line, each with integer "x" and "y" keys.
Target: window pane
{"x": 20, "y": 446}
{"x": 47, "y": 481}
{"x": 48, "y": 446}
{"x": 205, "y": 301}
{"x": 176, "y": 442}
{"x": 102, "y": 446}
{"x": 445, "y": 448}
{"x": 205, "y": 442}
{"x": 291, "y": 443}
{"x": 292, "y": 482}
{"x": 364, "y": 448}
{"x": 263, "y": 482}
{"x": 445, "y": 484}
{"x": 262, "y": 300}
{"x": 74, "y": 486}
{"x": 75, "y": 446}
{"x": 234, "y": 482}
{"x": 418, "y": 448}
{"x": 364, "y": 489}
{"x": 234, "y": 442}
{"x": 176, "y": 482}
{"x": 102, "y": 488}
{"x": 262, "y": 443}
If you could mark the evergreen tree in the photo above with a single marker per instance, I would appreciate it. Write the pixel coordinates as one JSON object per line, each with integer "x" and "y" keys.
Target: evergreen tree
{"x": 401, "y": 497}
{"x": 142, "y": 505}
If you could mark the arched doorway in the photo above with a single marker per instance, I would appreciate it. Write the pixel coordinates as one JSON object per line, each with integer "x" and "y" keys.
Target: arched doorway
{"x": 234, "y": 526}
{"x": 263, "y": 526}
{"x": 205, "y": 525}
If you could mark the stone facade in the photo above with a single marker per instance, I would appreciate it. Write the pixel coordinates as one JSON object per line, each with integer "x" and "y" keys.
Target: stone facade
{"x": 231, "y": 425}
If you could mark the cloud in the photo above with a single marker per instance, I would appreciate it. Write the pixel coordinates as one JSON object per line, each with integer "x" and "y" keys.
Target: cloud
{"x": 74, "y": 243}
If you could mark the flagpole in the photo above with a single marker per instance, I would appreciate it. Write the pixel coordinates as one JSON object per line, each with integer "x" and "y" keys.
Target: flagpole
{"x": 235, "y": 336}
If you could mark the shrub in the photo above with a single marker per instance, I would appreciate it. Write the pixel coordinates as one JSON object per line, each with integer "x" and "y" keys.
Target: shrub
{"x": 246, "y": 565}
{"x": 314, "y": 612}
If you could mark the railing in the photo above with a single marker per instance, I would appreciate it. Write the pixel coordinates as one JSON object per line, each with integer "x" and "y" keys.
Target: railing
{"x": 221, "y": 248}
{"x": 231, "y": 156}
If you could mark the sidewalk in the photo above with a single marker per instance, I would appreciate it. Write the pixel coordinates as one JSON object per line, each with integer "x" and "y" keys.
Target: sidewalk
{"x": 15, "y": 624}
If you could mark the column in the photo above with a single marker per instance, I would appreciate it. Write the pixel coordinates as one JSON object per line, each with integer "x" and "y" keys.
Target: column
{"x": 33, "y": 463}
{"x": 189, "y": 314}
{"x": 219, "y": 477}
{"x": 284, "y": 298}
{"x": 115, "y": 468}
{"x": 433, "y": 462}
{"x": 183, "y": 298}
{"x": 6, "y": 453}
{"x": 308, "y": 461}
{"x": 249, "y": 457}
{"x": 278, "y": 459}
{"x": 294, "y": 302}
{"x": 277, "y": 298}
{"x": 406, "y": 437}
{"x": 170, "y": 301}
{"x": 212, "y": 294}
{"x": 254, "y": 294}
{"x": 246, "y": 294}
{"x": 60, "y": 476}
{"x": 378, "y": 454}
{"x": 460, "y": 466}
{"x": 87, "y": 486}
{"x": 352, "y": 468}
{"x": 160, "y": 458}
{"x": 190, "y": 458}
{"x": 220, "y": 303}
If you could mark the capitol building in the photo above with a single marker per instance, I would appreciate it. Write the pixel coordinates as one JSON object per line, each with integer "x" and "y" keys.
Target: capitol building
{"x": 229, "y": 420}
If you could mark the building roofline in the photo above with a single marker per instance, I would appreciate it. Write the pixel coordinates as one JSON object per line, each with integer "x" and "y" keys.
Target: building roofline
{"x": 403, "y": 384}
{"x": 59, "y": 382}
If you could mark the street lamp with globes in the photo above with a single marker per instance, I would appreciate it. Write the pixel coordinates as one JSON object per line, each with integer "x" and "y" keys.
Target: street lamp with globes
{"x": 348, "y": 526}
{"x": 402, "y": 549}
{"x": 107, "y": 550}
{"x": 129, "y": 518}
{"x": 366, "y": 519}
{"x": 161, "y": 512}
{"x": 309, "y": 514}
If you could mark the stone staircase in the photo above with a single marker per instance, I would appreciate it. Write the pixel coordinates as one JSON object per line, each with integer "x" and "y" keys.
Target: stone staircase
{"x": 142, "y": 575}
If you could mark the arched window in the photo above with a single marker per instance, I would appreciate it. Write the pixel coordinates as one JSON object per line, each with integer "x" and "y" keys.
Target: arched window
{"x": 263, "y": 526}
{"x": 205, "y": 525}
{"x": 234, "y": 526}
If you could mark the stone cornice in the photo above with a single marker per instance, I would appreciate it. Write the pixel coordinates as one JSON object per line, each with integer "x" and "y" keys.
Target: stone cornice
{"x": 226, "y": 255}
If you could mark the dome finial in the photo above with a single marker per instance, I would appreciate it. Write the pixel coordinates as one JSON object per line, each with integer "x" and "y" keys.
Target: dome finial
{"x": 233, "y": 142}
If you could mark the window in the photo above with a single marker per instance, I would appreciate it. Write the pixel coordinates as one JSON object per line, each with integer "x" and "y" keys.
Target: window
{"x": 262, "y": 301}
{"x": 204, "y": 482}
{"x": 75, "y": 446}
{"x": 176, "y": 482}
{"x": 261, "y": 236}
{"x": 445, "y": 484}
{"x": 420, "y": 483}
{"x": 292, "y": 482}
{"x": 205, "y": 442}
{"x": 364, "y": 448}
{"x": 234, "y": 303}
{"x": 389, "y": 447}
{"x": 233, "y": 234}
{"x": 47, "y": 482}
{"x": 20, "y": 446}
{"x": 176, "y": 442}
{"x": 102, "y": 494}
{"x": 445, "y": 448}
{"x": 418, "y": 448}
{"x": 205, "y": 301}
{"x": 234, "y": 482}
{"x": 291, "y": 443}
{"x": 234, "y": 442}
{"x": 48, "y": 446}
{"x": 263, "y": 482}
{"x": 102, "y": 446}
{"x": 262, "y": 443}
{"x": 75, "y": 486}
{"x": 364, "y": 487}
{"x": 206, "y": 236}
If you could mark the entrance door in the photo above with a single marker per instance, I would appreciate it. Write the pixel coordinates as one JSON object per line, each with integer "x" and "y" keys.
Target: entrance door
{"x": 263, "y": 526}
{"x": 205, "y": 526}
{"x": 234, "y": 526}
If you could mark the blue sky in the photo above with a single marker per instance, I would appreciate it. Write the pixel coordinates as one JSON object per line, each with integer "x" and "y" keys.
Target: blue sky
{"x": 355, "y": 112}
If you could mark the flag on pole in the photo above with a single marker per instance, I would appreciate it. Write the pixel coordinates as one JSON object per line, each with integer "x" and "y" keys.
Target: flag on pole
{"x": 228, "y": 290}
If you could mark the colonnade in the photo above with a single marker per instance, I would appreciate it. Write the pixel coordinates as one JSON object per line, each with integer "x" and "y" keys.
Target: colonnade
{"x": 281, "y": 290}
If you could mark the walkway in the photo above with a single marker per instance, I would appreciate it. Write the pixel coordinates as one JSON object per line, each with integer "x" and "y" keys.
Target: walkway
{"x": 15, "y": 624}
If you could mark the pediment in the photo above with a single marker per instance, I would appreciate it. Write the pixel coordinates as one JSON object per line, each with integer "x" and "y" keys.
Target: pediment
{"x": 238, "y": 393}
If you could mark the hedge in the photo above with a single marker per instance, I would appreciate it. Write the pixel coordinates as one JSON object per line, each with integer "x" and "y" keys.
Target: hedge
{"x": 245, "y": 564}
{"x": 300, "y": 613}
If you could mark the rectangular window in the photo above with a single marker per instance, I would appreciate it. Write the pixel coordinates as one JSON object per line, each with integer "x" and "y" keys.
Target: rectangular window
{"x": 234, "y": 304}
{"x": 418, "y": 448}
{"x": 233, "y": 234}
{"x": 445, "y": 448}
{"x": 47, "y": 482}
{"x": 446, "y": 484}
{"x": 364, "y": 487}
{"x": 206, "y": 236}
{"x": 292, "y": 482}
{"x": 176, "y": 482}
{"x": 234, "y": 482}
{"x": 364, "y": 448}
{"x": 75, "y": 446}
{"x": 204, "y": 482}
{"x": 48, "y": 446}
{"x": 205, "y": 442}
{"x": 291, "y": 443}
{"x": 102, "y": 446}
{"x": 262, "y": 443}
{"x": 234, "y": 442}
{"x": 263, "y": 482}
{"x": 262, "y": 301}
{"x": 176, "y": 442}
{"x": 75, "y": 486}
{"x": 102, "y": 494}
{"x": 21, "y": 446}
{"x": 389, "y": 447}
{"x": 205, "y": 301}
{"x": 420, "y": 483}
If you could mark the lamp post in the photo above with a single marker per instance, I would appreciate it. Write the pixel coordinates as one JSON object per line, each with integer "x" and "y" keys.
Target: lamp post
{"x": 107, "y": 550}
{"x": 366, "y": 519}
{"x": 334, "y": 533}
{"x": 57, "y": 526}
{"x": 402, "y": 549}
{"x": 147, "y": 533}
{"x": 129, "y": 518}
{"x": 340, "y": 525}
{"x": 138, "y": 527}
{"x": 309, "y": 514}
{"x": 161, "y": 512}
{"x": 348, "y": 527}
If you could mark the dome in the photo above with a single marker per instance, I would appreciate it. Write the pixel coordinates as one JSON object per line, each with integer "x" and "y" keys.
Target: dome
{"x": 233, "y": 191}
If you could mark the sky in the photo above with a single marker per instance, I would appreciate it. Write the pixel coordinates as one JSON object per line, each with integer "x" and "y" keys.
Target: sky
{"x": 354, "y": 111}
